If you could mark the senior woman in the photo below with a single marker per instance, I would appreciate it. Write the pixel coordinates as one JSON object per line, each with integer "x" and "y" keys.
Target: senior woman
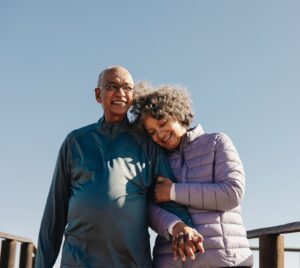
{"x": 210, "y": 178}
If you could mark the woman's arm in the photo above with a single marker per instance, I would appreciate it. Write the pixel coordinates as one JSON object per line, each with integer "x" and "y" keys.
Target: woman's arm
{"x": 160, "y": 220}
{"x": 186, "y": 240}
{"x": 227, "y": 190}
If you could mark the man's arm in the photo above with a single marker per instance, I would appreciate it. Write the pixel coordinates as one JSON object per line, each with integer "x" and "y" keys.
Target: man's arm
{"x": 55, "y": 214}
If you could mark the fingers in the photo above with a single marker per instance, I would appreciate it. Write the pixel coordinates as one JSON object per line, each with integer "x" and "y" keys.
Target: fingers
{"x": 161, "y": 192}
{"x": 163, "y": 180}
{"x": 198, "y": 242}
{"x": 197, "y": 237}
{"x": 189, "y": 248}
{"x": 200, "y": 247}
{"x": 186, "y": 242}
{"x": 157, "y": 193}
{"x": 160, "y": 179}
{"x": 178, "y": 247}
{"x": 181, "y": 247}
{"x": 174, "y": 248}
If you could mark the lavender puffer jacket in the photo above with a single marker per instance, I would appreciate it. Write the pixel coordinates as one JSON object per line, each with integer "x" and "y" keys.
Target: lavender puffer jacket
{"x": 211, "y": 184}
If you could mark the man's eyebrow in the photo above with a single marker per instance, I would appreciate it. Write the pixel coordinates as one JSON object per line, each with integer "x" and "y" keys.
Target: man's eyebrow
{"x": 120, "y": 83}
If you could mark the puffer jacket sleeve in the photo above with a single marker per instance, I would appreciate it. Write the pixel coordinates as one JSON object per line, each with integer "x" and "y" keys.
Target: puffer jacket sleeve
{"x": 55, "y": 213}
{"x": 160, "y": 220}
{"x": 226, "y": 190}
{"x": 161, "y": 216}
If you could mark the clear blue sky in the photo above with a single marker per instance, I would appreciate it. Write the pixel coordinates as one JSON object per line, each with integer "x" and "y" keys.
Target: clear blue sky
{"x": 240, "y": 61}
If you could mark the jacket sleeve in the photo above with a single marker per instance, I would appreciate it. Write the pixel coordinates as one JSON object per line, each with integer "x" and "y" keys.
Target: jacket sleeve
{"x": 227, "y": 190}
{"x": 160, "y": 219}
{"x": 55, "y": 213}
{"x": 162, "y": 215}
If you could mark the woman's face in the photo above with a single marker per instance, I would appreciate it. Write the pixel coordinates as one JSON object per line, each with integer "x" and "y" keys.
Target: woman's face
{"x": 165, "y": 132}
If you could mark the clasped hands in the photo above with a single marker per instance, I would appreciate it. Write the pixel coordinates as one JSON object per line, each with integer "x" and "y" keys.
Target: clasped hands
{"x": 186, "y": 240}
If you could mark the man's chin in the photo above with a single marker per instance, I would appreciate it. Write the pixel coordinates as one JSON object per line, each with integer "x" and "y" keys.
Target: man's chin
{"x": 120, "y": 110}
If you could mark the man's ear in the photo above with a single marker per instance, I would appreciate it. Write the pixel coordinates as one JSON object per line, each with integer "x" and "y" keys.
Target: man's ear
{"x": 98, "y": 95}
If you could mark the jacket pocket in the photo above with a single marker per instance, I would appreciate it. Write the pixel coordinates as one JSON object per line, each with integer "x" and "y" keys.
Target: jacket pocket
{"x": 84, "y": 172}
{"x": 74, "y": 251}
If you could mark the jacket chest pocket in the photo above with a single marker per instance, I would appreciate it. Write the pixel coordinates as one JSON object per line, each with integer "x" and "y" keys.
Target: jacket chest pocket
{"x": 84, "y": 172}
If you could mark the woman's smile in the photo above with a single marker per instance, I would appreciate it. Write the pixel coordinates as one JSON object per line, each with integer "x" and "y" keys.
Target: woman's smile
{"x": 165, "y": 132}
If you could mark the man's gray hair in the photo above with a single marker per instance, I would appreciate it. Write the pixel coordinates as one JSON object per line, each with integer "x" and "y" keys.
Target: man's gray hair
{"x": 110, "y": 68}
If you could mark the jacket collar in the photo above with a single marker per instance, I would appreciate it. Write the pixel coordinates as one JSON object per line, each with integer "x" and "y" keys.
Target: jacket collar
{"x": 113, "y": 128}
{"x": 194, "y": 133}
{"x": 190, "y": 136}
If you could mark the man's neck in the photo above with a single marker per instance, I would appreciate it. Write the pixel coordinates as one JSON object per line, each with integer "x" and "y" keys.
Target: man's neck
{"x": 114, "y": 119}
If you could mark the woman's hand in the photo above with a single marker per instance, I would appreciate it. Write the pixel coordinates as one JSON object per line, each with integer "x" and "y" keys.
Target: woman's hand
{"x": 186, "y": 241}
{"x": 162, "y": 189}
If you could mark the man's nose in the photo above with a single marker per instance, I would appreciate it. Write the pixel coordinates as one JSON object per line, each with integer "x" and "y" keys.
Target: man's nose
{"x": 120, "y": 91}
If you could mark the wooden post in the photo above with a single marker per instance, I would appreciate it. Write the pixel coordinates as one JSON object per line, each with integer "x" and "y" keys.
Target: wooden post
{"x": 26, "y": 255}
{"x": 8, "y": 253}
{"x": 271, "y": 251}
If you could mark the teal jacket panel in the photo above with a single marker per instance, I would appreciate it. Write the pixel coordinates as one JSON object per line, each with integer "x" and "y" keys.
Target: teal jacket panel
{"x": 99, "y": 198}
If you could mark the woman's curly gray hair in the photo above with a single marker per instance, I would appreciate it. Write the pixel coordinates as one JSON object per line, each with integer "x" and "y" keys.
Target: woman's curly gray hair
{"x": 162, "y": 102}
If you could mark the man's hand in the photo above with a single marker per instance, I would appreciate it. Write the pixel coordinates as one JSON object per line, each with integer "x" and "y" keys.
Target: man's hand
{"x": 186, "y": 241}
{"x": 162, "y": 189}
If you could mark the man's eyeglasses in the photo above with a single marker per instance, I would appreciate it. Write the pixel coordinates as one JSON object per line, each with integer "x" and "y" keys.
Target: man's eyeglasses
{"x": 115, "y": 87}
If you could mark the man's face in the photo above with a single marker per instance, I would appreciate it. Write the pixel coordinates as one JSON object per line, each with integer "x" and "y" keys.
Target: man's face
{"x": 115, "y": 94}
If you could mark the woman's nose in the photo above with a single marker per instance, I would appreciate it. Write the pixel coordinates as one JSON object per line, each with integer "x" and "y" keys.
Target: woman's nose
{"x": 160, "y": 134}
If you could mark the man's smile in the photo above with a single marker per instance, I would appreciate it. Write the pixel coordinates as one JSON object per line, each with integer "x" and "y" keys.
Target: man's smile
{"x": 119, "y": 102}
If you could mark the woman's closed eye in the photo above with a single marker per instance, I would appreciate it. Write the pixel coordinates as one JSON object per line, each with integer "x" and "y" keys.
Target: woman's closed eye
{"x": 162, "y": 122}
{"x": 150, "y": 132}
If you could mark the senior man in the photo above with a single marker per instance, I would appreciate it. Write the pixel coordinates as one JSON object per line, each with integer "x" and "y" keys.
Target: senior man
{"x": 99, "y": 196}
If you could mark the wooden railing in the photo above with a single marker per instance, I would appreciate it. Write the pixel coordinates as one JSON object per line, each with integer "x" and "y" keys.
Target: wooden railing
{"x": 9, "y": 248}
{"x": 271, "y": 244}
{"x": 271, "y": 247}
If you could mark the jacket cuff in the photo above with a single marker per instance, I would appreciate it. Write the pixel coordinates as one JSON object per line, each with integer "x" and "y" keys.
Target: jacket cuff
{"x": 182, "y": 193}
{"x": 173, "y": 192}
{"x": 171, "y": 227}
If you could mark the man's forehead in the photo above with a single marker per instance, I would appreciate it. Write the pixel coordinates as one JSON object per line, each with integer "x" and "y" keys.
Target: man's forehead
{"x": 117, "y": 75}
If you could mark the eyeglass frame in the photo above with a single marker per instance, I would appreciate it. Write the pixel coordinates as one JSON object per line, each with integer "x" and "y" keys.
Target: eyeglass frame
{"x": 125, "y": 87}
